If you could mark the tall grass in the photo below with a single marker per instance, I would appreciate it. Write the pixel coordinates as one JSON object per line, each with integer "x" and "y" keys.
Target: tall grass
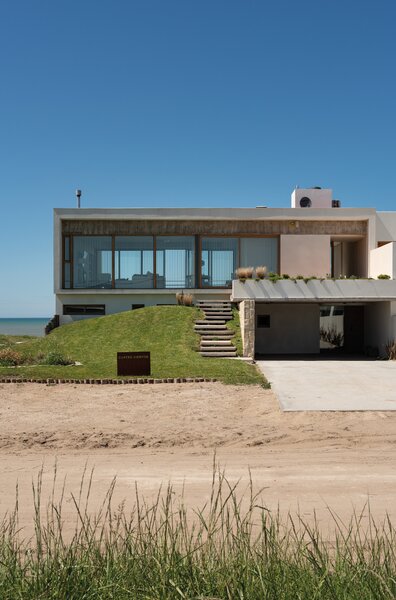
{"x": 232, "y": 548}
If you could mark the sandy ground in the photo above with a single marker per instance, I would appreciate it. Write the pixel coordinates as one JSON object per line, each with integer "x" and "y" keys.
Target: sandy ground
{"x": 152, "y": 434}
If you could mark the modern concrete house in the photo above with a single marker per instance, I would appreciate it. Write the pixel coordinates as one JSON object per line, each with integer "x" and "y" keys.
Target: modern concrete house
{"x": 112, "y": 260}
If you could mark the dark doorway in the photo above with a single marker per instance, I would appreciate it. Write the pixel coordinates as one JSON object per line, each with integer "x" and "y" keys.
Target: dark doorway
{"x": 354, "y": 329}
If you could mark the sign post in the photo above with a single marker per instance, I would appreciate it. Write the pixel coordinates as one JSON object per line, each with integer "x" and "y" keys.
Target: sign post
{"x": 133, "y": 363}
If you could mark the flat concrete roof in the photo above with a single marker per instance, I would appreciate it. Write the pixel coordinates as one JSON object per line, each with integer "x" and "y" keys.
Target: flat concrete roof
{"x": 245, "y": 214}
{"x": 315, "y": 290}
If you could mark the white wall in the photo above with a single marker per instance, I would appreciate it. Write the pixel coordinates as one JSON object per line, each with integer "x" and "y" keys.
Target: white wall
{"x": 378, "y": 326}
{"x": 321, "y": 198}
{"x": 383, "y": 261}
{"x": 305, "y": 255}
{"x": 335, "y": 322}
{"x": 294, "y": 329}
{"x": 119, "y": 302}
{"x": 386, "y": 226}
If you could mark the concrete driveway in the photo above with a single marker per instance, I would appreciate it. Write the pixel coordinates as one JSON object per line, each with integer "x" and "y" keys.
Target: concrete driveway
{"x": 323, "y": 384}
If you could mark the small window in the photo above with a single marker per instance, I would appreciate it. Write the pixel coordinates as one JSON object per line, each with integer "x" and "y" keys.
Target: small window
{"x": 84, "y": 309}
{"x": 136, "y": 306}
{"x": 263, "y": 321}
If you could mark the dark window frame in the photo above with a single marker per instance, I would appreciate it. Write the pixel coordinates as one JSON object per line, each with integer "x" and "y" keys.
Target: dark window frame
{"x": 84, "y": 309}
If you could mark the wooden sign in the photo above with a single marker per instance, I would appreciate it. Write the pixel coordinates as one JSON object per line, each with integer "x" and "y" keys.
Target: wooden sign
{"x": 133, "y": 363}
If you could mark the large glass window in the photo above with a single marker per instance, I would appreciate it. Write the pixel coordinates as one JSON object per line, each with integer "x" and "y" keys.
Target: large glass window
{"x": 219, "y": 261}
{"x": 66, "y": 263}
{"x": 134, "y": 262}
{"x": 175, "y": 260}
{"x": 92, "y": 258}
{"x": 257, "y": 252}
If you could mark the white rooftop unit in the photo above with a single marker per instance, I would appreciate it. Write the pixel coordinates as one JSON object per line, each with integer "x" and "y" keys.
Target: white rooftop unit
{"x": 312, "y": 198}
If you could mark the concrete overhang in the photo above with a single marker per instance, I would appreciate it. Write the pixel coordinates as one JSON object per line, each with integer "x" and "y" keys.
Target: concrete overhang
{"x": 327, "y": 291}
{"x": 237, "y": 214}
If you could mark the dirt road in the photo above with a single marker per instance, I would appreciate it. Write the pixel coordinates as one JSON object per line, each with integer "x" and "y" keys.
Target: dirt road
{"x": 150, "y": 435}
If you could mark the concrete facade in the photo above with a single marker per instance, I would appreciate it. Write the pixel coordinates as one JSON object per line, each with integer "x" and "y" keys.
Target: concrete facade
{"x": 383, "y": 260}
{"x": 305, "y": 255}
{"x": 290, "y": 331}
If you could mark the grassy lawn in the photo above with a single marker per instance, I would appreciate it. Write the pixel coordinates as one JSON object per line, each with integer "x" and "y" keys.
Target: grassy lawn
{"x": 165, "y": 331}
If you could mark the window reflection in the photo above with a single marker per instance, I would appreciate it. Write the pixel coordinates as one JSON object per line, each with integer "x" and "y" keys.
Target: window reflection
{"x": 219, "y": 261}
{"x": 175, "y": 260}
{"x": 134, "y": 262}
{"x": 92, "y": 262}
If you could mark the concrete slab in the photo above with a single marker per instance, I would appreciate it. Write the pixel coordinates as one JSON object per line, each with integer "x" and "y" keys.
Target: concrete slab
{"x": 331, "y": 385}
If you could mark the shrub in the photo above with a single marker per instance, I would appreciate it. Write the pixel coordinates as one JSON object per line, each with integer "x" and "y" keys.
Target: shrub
{"x": 383, "y": 276}
{"x": 332, "y": 336}
{"x": 244, "y": 272}
{"x": 261, "y": 272}
{"x": 184, "y": 299}
{"x": 54, "y": 357}
{"x": 285, "y": 276}
{"x": 10, "y": 358}
{"x": 391, "y": 349}
{"x": 274, "y": 277}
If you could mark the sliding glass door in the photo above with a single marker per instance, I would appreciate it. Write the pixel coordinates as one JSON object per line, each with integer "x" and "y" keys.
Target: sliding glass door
{"x": 134, "y": 262}
{"x": 219, "y": 261}
{"x": 175, "y": 262}
{"x": 92, "y": 257}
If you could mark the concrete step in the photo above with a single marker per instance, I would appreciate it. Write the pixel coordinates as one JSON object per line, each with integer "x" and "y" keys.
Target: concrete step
{"x": 211, "y": 327}
{"x": 216, "y": 349}
{"x": 214, "y": 306}
{"x": 210, "y": 322}
{"x": 224, "y": 316}
{"x": 227, "y": 332}
{"x": 216, "y": 343}
{"x": 218, "y": 354}
{"x": 216, "y": 312}
{"x": 216, "y": 338}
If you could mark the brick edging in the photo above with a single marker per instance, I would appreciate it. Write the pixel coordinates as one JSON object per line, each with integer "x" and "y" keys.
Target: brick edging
{"x": 108, "y": 381}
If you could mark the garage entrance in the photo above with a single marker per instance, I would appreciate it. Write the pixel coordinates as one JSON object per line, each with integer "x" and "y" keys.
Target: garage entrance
{"x": 309, "y": 317}
{"x": 342, "y": 329}
{"x": 329, "y": 330}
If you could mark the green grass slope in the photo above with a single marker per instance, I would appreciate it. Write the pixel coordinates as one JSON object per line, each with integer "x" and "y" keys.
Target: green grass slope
{"x": 167, "y": 332}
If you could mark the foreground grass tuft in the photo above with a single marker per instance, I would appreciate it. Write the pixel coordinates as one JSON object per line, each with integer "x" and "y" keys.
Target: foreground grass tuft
{"x": 165, "y": 331}
{"x": 232, "y": 548}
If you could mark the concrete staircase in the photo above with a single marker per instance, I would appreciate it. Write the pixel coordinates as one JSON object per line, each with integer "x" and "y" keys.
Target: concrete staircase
{"x": 216, "y": 338}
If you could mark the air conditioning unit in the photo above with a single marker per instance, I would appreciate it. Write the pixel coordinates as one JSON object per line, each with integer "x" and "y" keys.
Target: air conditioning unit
{"x": 312, "y": 198}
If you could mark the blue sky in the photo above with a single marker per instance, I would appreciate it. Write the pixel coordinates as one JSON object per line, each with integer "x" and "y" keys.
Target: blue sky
{"x": 185, "y": 103}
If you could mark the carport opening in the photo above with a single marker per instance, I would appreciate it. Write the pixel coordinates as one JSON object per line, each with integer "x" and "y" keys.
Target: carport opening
{"x": 341, "y": 329}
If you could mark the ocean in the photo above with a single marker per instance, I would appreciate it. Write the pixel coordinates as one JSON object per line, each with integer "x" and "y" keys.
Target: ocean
{"x": 23, "y": 326}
